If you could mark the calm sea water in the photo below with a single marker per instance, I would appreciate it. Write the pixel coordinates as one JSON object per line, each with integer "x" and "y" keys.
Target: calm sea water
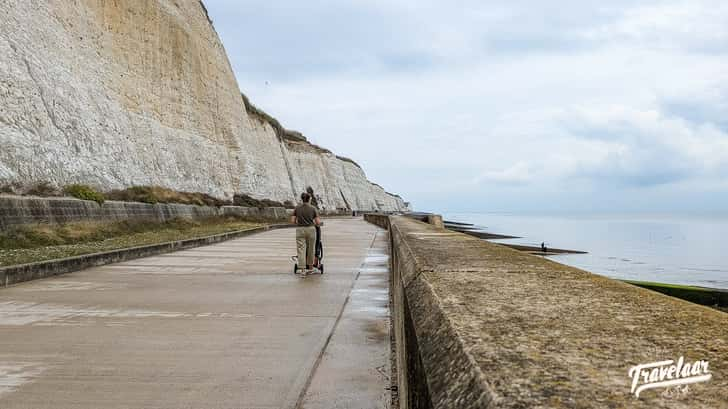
{"x": 670, "y": 249}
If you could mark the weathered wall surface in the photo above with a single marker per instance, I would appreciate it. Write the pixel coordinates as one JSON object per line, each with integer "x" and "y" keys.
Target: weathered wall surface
{"x": 140, "y": 92}
{"x": 15, "y": 211}
{"x": 478, "y": 325}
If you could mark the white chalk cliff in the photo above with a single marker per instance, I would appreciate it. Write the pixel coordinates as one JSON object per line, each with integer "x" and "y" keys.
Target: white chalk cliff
{"x": 140, "y": 92}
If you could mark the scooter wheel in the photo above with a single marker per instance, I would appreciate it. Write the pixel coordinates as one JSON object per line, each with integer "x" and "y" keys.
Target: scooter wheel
{"x": 295, "y": 269}
{"x": 321, "y": 267}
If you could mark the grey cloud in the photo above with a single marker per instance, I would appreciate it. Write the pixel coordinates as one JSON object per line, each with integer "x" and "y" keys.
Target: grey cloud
{"x": 647, "y": 149}
{"x": 289, "y": 40}
{"x": 646, "y": 167}
{"x": 292, "y": 40}
{"x": 710, "y": 108}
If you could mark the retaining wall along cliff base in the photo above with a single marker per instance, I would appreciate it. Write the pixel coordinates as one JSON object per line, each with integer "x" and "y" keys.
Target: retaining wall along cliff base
{"x": 20, "y": 210}
{"x": 478, "y": 325}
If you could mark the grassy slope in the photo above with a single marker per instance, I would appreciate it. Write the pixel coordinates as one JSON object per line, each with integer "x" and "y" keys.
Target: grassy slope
{"x": 699, "y": 295}
{"x": 39, "y": 243}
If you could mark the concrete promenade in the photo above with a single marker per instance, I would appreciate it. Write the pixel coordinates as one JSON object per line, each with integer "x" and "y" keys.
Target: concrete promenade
{"x": 222, "y": 326}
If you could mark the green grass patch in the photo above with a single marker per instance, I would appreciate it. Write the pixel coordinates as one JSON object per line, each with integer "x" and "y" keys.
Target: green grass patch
{"x": 699, "y": 295}
{"x": 28, "y": 244}
{"x": 84, "y": 192}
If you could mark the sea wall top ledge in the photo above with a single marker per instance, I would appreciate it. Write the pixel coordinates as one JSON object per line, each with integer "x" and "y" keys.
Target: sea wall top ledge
{"x": 500, "y": 328}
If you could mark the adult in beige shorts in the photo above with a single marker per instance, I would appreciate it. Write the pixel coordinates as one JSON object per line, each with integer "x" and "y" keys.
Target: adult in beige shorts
{"x": 306, "y": 218}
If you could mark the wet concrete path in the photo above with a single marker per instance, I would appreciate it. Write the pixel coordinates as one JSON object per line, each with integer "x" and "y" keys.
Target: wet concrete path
{"x": 222, "y": 326}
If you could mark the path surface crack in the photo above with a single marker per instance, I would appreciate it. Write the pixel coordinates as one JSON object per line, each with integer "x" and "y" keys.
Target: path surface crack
{"x": 307, "y": 385}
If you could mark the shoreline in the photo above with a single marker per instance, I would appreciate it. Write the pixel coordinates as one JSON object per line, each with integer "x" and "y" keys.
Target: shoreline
{"x": 710, "y": 297}
{"x": 716, "y": 298}
{"x": 479, "y": 232}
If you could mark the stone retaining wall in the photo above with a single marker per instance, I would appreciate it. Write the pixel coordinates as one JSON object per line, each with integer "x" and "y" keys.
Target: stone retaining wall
{"x": 17, "y": 210}
{"x": 255, "y": 213}
{"x": 479, "y": 325}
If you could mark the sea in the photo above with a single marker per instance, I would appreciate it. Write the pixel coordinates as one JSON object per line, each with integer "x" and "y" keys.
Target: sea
{"x": 664, "y": 248}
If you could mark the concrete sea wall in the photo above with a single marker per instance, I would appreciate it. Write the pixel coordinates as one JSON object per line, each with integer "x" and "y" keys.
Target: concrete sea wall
{"x": 141, "y": 92}
{"x": 478, "y": 325}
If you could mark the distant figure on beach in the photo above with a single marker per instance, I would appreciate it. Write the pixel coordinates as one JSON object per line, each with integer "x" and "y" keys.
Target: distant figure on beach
{"x": 543, "y": 247}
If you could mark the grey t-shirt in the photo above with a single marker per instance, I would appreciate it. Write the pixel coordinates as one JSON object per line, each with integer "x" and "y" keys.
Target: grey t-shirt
{"x": 305, "y": 214}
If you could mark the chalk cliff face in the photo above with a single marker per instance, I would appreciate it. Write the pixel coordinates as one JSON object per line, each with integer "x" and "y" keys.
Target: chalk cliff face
{"x": 116, "y": 93}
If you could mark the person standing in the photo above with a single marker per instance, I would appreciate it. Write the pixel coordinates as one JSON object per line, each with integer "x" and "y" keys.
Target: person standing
{"x": 306, "y": 218}
{"x": 314, "y": 199}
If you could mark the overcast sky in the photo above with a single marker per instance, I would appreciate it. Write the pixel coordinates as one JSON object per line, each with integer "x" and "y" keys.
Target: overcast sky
{"x": 571, "y": 105}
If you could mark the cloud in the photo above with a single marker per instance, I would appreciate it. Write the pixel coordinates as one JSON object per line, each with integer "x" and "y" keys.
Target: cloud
{"x": 604, "y": 99}
{"x": 691, "y": 26}
{"x": 645, "y": 148}
{"x": 518, "y": 173}
{"x": 701, "y": 107}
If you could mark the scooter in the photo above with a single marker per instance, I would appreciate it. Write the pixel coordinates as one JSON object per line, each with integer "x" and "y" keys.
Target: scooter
{"x": 318, "y": 257}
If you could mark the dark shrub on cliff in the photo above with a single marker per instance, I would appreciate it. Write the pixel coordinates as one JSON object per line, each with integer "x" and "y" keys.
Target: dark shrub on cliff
{"x": 242, "y": 199}
{"x": 11, "y": 188}
{"x": 158, "y": 194}
{"x": 44, "y": 189}
{"x": 84, "y": 192}
{"x": 133, "y": 194}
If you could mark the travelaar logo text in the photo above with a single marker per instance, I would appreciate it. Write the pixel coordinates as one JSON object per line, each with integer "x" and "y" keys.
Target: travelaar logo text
{"x": 667, "y": 373}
